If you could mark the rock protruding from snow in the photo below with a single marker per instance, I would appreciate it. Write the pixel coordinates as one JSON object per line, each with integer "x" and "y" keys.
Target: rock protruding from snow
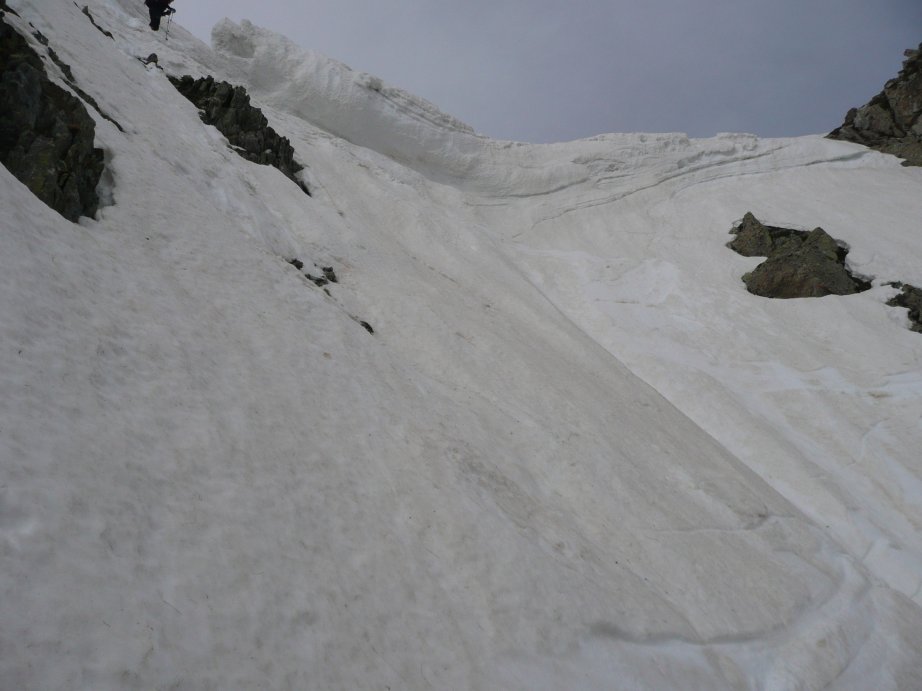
{"x": 892, "y": 121}
{"x": 104, "y": 32}
{"x": 910, "y": 298}
{"x": 800, "y": 264}
{"x": 754, "y": 239}
{"x": 228, "y": 108}
{"x": 46, "y": 135}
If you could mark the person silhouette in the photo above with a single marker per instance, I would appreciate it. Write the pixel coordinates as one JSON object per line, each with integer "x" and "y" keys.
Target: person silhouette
{"x": 158, "y": 9}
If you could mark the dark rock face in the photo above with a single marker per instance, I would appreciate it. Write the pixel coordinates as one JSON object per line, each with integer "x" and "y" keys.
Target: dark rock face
{"x": 228, "y": 108}
{"x": 892, "y": 121}
{"x": 46, "y": 135}
{"x": 911, "y": 298}
{"x": 799, "y": 264}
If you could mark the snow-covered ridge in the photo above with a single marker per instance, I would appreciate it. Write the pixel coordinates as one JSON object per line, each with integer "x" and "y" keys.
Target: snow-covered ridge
{"x": 356, "y": 106}
{"x": 363, "y": 110}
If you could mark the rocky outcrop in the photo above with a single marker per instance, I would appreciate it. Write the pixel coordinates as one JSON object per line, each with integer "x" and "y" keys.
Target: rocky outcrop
{"x": 46, "y": 135}
{"x": 910, "y": 298}
{"x": 892, "y": 121}
{"x": 86, "y": 11}
{"x": 800, "y": 264}
{"x": 753, "y": 239}
{"x": 228, "y": 108}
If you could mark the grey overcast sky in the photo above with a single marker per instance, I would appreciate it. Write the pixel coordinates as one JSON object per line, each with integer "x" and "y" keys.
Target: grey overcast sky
{"x": 554, "y": 70}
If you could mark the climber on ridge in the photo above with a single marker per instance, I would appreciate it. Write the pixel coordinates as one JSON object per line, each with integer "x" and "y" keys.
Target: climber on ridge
{"x": 158, "y": 8}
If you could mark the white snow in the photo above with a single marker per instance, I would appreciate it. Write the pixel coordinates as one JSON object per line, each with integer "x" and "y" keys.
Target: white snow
{"x": 575, "y": 453}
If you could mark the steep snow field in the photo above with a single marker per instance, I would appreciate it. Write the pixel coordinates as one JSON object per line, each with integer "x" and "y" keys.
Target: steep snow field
{"x": 574, "y": 453}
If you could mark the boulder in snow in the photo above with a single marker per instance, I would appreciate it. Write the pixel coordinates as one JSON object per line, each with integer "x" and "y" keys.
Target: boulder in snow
{"x": 910, "y": 298}
{"x": 800, "y": 264}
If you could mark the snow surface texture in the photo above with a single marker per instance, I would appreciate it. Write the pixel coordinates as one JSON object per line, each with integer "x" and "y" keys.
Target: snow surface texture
{"x": 576, "y": 453}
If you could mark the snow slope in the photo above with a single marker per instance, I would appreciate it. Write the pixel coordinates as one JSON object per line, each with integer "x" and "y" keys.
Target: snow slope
{"x": 575, "y": 453}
